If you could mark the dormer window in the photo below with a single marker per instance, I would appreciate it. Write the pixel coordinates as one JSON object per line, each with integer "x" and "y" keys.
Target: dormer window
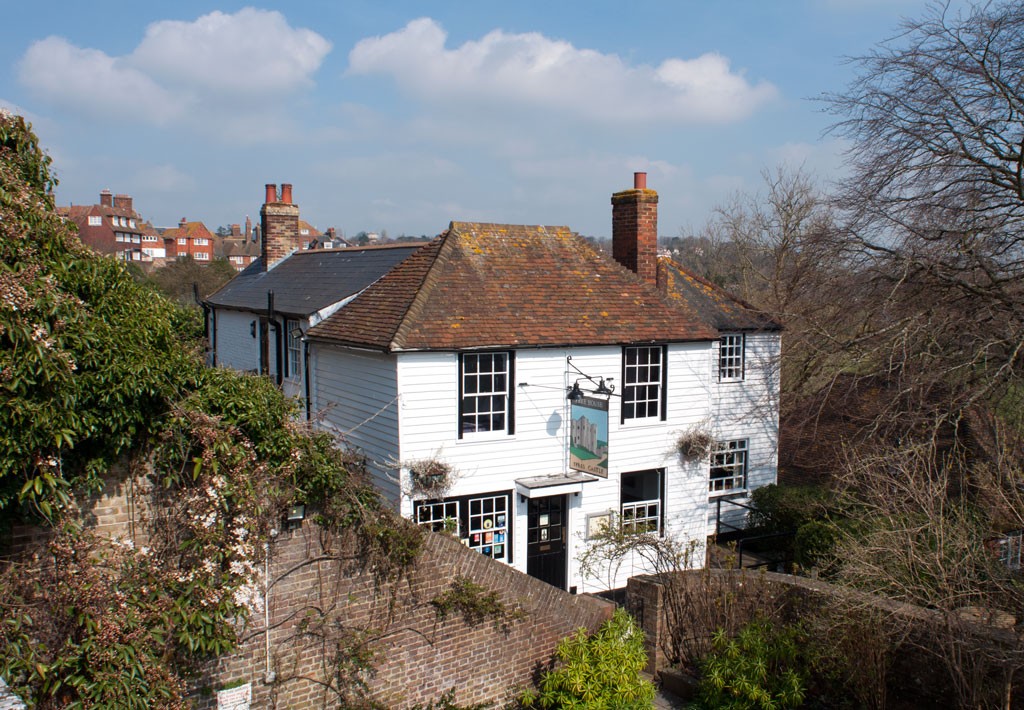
{"x": 95, "y": 221}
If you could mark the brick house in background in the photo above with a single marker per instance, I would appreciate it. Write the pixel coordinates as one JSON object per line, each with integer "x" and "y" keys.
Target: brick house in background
{"x": 110, "y": 227}
{"x": 238, "y": 247}
{"x": 464, "y": 371}
{"x": 189, "y": 239}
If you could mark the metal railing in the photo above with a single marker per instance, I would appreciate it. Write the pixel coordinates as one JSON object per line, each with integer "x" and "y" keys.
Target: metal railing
{"x": 746, "y": 540}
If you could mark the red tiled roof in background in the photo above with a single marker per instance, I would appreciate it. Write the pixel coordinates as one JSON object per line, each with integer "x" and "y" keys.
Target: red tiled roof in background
{"x": 190, "y": 229}
{"x": 500, "y": 285}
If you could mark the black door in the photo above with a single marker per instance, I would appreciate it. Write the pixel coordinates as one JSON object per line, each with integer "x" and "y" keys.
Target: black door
{"x": 545, "y": 540}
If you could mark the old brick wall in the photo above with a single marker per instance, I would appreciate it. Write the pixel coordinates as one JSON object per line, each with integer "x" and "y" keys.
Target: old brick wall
{"x": 323, "y": 600}
{"x": 320, "y": 596}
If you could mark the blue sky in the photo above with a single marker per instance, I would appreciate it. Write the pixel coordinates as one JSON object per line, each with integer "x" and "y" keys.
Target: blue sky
{"x": 403, "y": 116}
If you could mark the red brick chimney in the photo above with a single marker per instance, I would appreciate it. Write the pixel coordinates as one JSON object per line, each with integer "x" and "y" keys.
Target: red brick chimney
{"x": 635, "y": 229}
{"x": 123, "y": 201}
{"x": 236, "y": 230}
{"x": 248, "y": 227}
{"x": 182, "y": 223}
{"x": 279, "y": 222}
{"x": 106, "y": 198}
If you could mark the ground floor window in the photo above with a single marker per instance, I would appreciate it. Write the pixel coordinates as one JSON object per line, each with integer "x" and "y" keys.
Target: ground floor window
{"x": 728, "y": 466}
{"x": 481, "y": 522}
{"x": 642, "y": 493}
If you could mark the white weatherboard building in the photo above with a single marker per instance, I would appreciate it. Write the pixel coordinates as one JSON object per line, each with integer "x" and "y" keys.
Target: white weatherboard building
{"x": 467, "y": 356}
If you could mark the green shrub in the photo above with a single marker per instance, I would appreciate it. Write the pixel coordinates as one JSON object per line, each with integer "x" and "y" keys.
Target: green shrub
{"x": 598, "y": 672}
{"x": 814, "y": 544}
{"x": 758, "y": 669}
{"x": 780, "y": 509}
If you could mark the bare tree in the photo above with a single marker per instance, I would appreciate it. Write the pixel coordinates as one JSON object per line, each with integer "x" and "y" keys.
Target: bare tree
{"x": 934, "y": 209}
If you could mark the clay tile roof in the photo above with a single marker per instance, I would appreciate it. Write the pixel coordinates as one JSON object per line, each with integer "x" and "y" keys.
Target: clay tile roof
{"x": 502, "y": 285}
{"x": 713, "y": 304}
{"x": 191, "y": 229}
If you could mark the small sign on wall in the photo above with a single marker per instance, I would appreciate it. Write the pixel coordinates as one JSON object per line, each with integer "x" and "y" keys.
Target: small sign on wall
{"x": 238, "y": 698}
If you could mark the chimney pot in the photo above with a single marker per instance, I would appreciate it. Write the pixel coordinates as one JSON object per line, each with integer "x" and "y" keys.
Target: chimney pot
{"x": 639, "y": 181}
{"x": 271, "y": 193}
{"x": 286, "y": 193}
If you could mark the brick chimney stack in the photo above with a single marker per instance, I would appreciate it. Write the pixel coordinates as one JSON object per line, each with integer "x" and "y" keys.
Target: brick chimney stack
{"x": 248, "y": 227}
{"x": 279, "y": 222}
{"x": 635, "y": 229}
{"x": 236, "y": 230}
{"x": 123, "y": 201}
{"x": 183, "y": 223}
{"x": 106, "y": 198}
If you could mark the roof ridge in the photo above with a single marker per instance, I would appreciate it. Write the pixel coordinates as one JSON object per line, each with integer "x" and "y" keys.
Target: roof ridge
{"x": 425, "y": 287}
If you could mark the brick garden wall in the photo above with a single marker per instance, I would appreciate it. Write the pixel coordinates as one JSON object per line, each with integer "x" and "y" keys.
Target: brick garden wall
{"x": 317, "y": 585}
{"x": 916, "y": 677}
{"x": 322, "y": 599}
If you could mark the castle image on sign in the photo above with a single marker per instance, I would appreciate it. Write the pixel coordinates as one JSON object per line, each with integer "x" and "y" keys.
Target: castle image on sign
{"x": 588, "y": 436}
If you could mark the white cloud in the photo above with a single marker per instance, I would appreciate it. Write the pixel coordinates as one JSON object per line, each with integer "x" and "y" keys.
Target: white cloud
{"x": 194, "y": 71}
{"x": 515, "y": 69}
{"x": 90, "y": 81}
{"x": 249, "y": 52}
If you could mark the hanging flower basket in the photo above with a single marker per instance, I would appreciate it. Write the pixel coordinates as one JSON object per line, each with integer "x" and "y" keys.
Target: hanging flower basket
{"x": 695, "y": 443}
{"x": 430, "y": 478}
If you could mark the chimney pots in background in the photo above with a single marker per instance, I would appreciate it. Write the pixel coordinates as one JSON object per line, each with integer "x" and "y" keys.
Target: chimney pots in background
{"x": 639, "y": 181}
{"x": 286, "y": 193}
{"x": 271, "y": 195}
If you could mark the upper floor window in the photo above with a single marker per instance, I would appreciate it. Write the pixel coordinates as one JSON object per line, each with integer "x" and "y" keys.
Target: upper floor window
{"x": 201, "y": 256}
{"x": 728, "y": 466}
{"x": 641, "y": 497}
{"x": 181, "y": 241}
{"x": 730, "y": 357}
{"x": 643, "y": 375}
{"x": 294, "y": 347}
{"x": 95, "y": 220}
{"x": 485, "y": 392}
{"x": 200, "y": 241}
{"x": 131, "y": 223}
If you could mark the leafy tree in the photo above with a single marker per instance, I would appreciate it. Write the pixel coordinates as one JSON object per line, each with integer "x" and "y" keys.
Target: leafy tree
{"x": 97, "y": 369}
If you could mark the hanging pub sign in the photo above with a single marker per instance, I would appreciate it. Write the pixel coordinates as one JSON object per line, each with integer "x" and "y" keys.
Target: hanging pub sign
{"x": 588, "y": 436}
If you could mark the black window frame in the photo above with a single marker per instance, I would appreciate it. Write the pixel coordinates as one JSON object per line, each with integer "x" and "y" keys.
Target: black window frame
{"x": 510, "y": 427}
{"x": 628, "y": 390}
{"x": 464, "y": 530}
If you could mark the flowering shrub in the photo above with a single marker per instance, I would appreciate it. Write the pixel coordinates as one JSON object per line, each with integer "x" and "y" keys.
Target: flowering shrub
{"x": 96, "y": 369}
